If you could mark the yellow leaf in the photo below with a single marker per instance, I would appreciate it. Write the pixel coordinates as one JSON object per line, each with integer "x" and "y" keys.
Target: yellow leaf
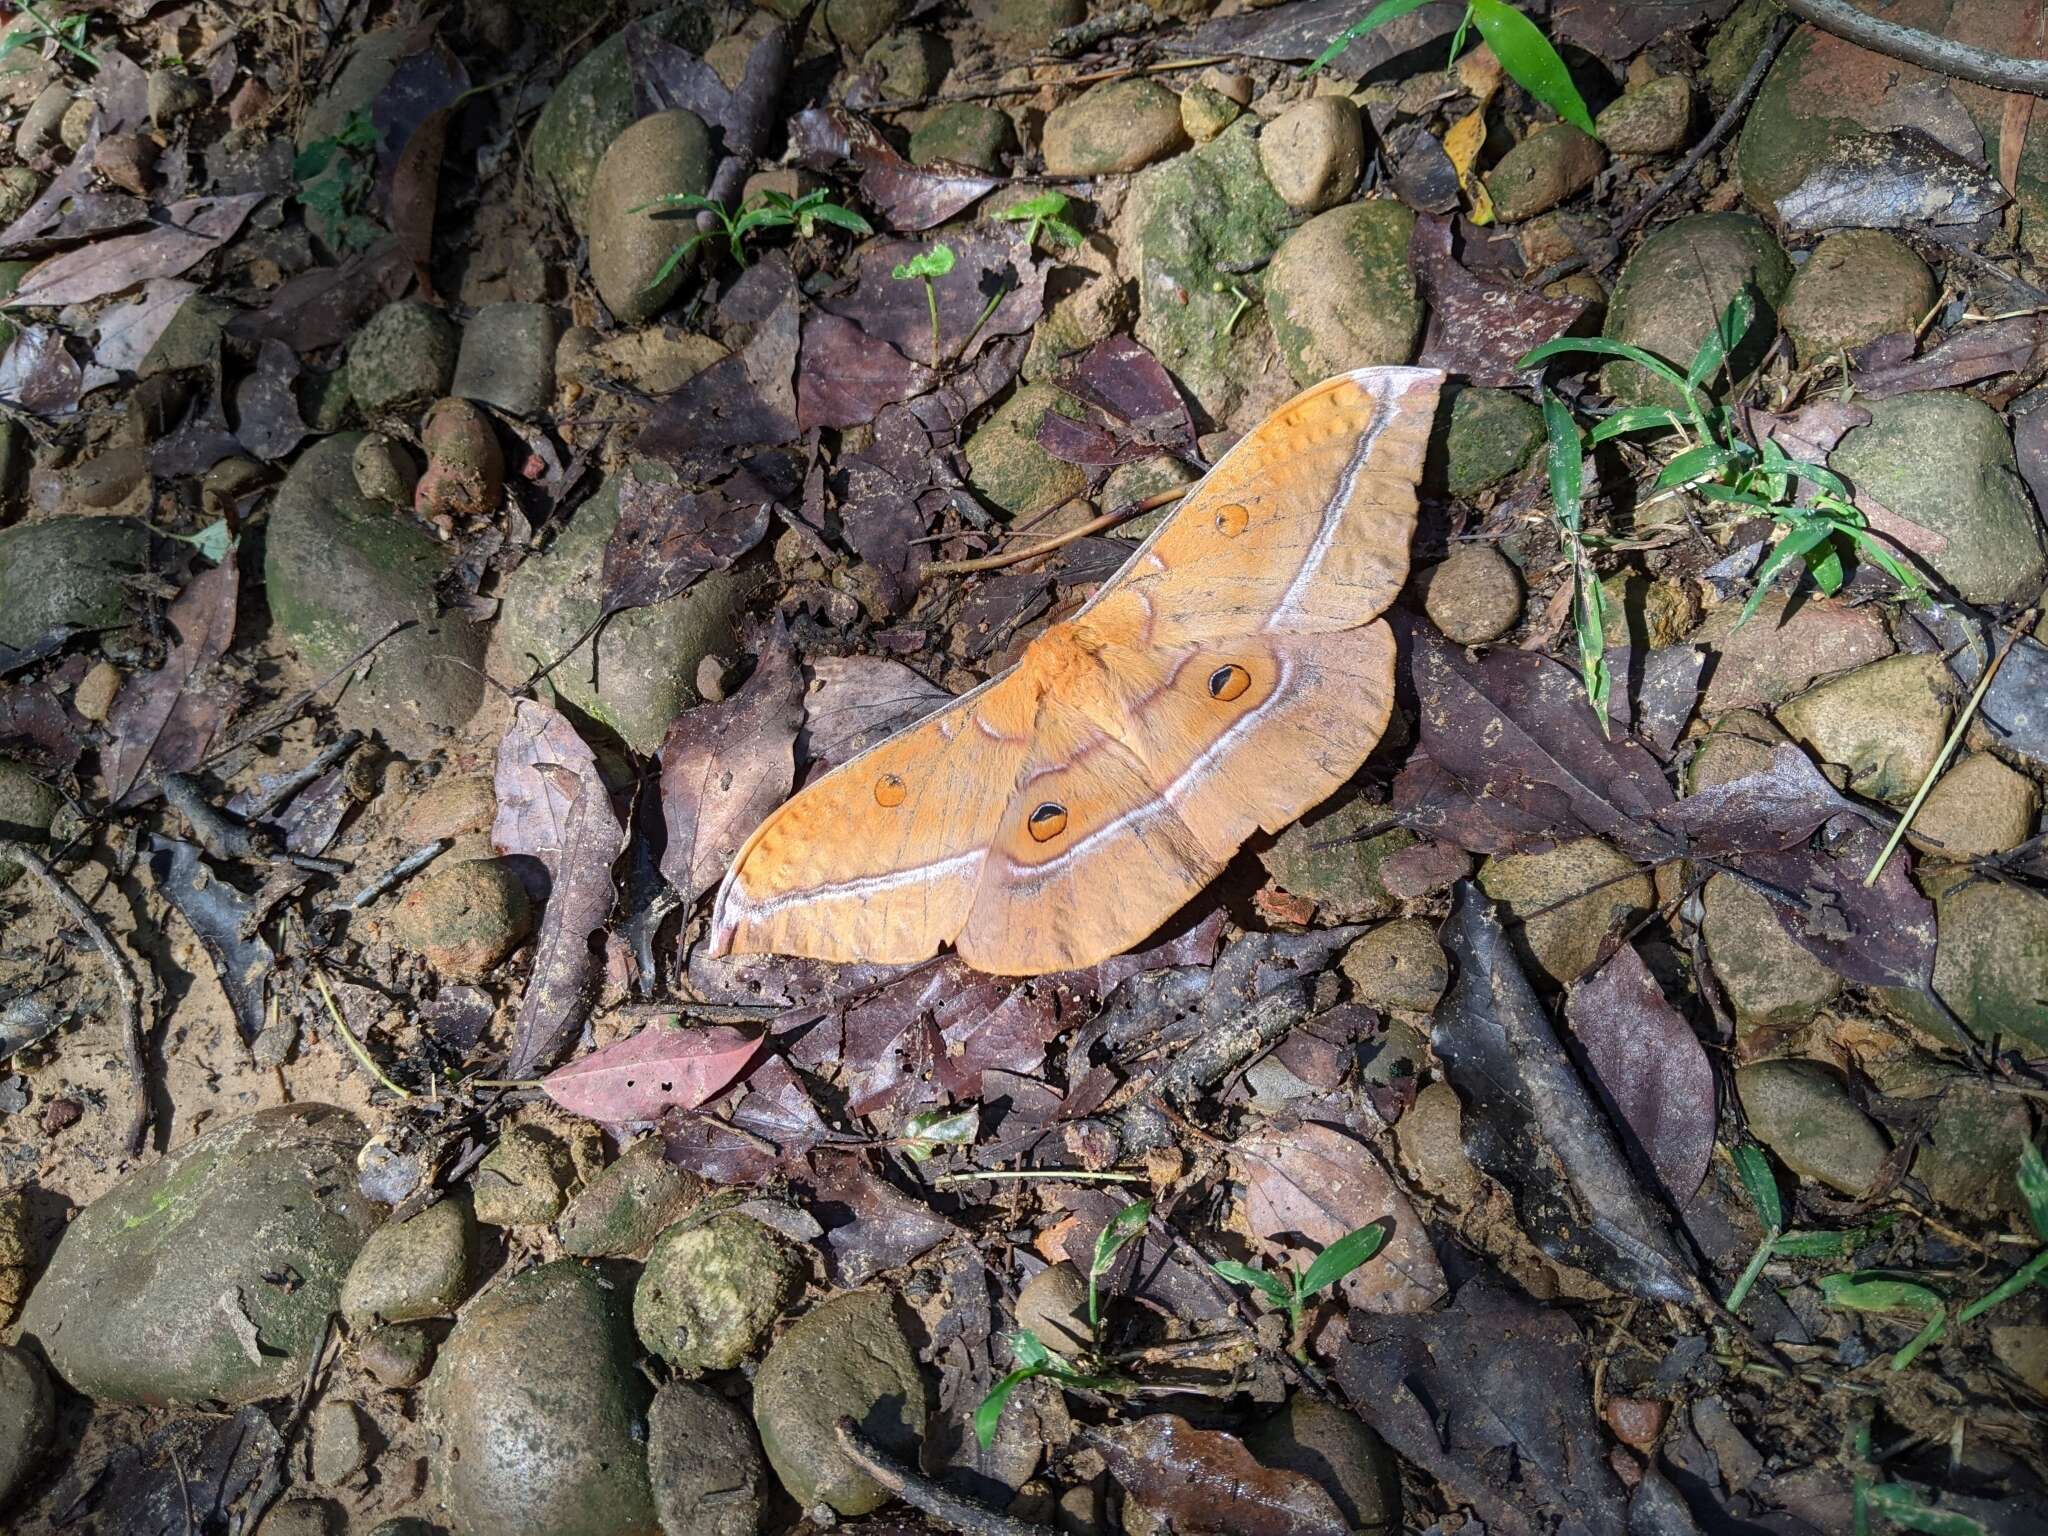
{"x": 1467, "y": 136}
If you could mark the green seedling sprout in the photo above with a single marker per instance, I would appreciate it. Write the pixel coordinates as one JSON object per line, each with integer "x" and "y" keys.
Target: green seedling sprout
{"x": 928, "y": 267}
{"x": 1043, "y": 214}
{"x": 764, "y": 210}
{"x": 1289, "y": 1292}
{"x": 1524, "y": 52}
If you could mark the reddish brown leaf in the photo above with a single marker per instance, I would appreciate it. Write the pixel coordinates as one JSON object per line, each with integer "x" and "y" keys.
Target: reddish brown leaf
{"x": 870, "y": 1225}
{"x": 645, "y": 1075}
{"x": 845, "y": 376}
{"x": 189, "y": 231}
{"x": 668, "y": 536}
{"x": 1203, "y": 1482}
{"x": 38, "y": 374}
{"x": 166, "y": 719}
{"x": 909, "y": 197}
{"x": 726, "y": 766}
{"x": 996, "y": 270}
{"x": 1478, "y": 329}
{"x": 856, "y": 701}
{"x": 1309, "y": 1184}
{"x": 1132, "y": 408}
{"x": 1649, "y": 1068}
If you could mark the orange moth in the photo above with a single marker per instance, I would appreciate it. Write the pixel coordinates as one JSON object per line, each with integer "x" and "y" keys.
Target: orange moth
{"x": 1232, "y": 675}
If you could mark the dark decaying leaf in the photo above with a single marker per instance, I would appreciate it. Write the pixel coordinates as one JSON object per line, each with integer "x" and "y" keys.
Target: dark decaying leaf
{"x": 645, "y": 1075}
{"x": 1967, "y": 357}
{"x": 666, "y": 76}
{"x": 909, "y": 197}
{"x": 668, "y": 536}
{"x": 988, "y": 269}
{"x": 193, "y": 1474}
{"x": 744, "y": 401}
{"x": 2014, "y": 711}
{"x": 1777, "y": 808}
{"x": 166, "y": 719}
{"x": 1132, "y": 409}
{"x": 845, "y": 376}
{"x": 1493, "y": 1398}
{"x": 69, "y": 208}
{"x": 1203, "y": 1482}
{"x": 325, "y": 306}
{"x": 1650, "y": 1070}
{"x": 771, "y": 1129}
{"x": 268, "y": 423}
{"x": 1513, "y": 729}
{"x": 855, "y": 701}
{"x": 1532, "y": 1125}
{"x": 563, "y": 816}
{"x": 38, "y": 374}
{"x": 1880, "y": 935}
{"x": 1300, "y": 31}
{"x": 1902, "y": 179}
{"x": 870, "y": 1225}
{"x": 1308, "y": 1184}
{"x": 726, "y": 766}
{"x": 1617, "y": 29}
{"x": 220, "y": 915}
{"x": 1478, "y": 330}
{"x": 1655, "y": 691}
{"x": 36, "y": 729}
{"x": 1424, "y": 177}
{"x": 411, "y": 116}
{"x": 187, "y": 232}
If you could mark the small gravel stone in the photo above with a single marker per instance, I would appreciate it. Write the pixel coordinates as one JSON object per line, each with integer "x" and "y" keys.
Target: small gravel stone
{"x": 1206, "y": 112}
{"x": 1475, "y": 596}
{"x": 859, "y": 24}
{"x": 413, "y": 1269}
{"x": 463, "y": 917}
{"x": 1555, "y": 162}
{"x": 94, "y": 695}
{"x": 1399, "y": 965}
{"x": 1737, "y": 745}
{"x": 1053, "y": 1304}
{"x": 1802, "y": 1111}
{"x": 1885, "y": 723}
{"x": 965, "y": 133}
{"x": 1978, "y": 807}
{"x": 1597, "y": 886}
{"x": 1030, "y": 23}
{"x": 662, "y": 153}
{"x": 909, "y": 64}
{"x": 1855, "y": 287}
{"x": 403, "y": 356}
{"x": 711, "y": 1290}
{"x": 1313, "y": 153}
{"x": 523, "y": 1180}
{"x": 508, "y": 358}
{"x": 385, "y": 470}
{"x": 624, "y": 1209}
{"x": 1770, "y": 981}
{"x": 1651, "y": 119}
{"x": 1122, "y": 125}
{"x": 1345, "y": 1457}
{"x": 28, "y": 1412}
{"x": 704, "y": 1464}
{"x": 399, "y": 1356}
{"x": 171, "y": 93}
{"x": 339, "y": 1444}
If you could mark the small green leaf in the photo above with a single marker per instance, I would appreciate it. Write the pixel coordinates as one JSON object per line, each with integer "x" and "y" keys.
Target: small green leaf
{"x": 1698, "y": 462}
{"x": 213, "y": 541}
{"x": 677, "y": 257}
{"x": 1525, "y": 53}
{"x": 1635, "y": 418}
{"x": 1271, "y": 1286}
{"x": 1793, "y": 546}
{"x": 990, "y": 1411}
{"x": 1565, "y": 458}
{"x": 690, "y": 200}
{"x": 1046, "y": 205}
{"x": 1761, "y": 1185}
{"x": 1825, "y": 566}
{"x": 841, "y": 218}
{"x": 2033, "y": 1182}
{"x": 1122, "y": 1227}
{"x": 927, "y": 264}
{"x": 1342, "y": 1257}
{"x": 1900, "y": 1504}
{"x": 1028, "y": 1349}
{"x": 924, "y": 1133}
{"x": 1385, "y": 11}
{"x": 1729, "y": 329}
{"x": 1871, "y": 1291}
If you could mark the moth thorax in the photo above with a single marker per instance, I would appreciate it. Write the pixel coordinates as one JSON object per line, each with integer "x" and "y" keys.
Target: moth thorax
{"x": 1062, "y": 657}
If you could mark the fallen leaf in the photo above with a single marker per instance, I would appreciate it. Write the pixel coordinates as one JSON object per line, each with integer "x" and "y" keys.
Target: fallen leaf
{"x": 668, "y": 536}
{"x": 267, "y": 404}
{"x": 870, "y": 1225}
{"x": 995, "y": 288}
{"x": 1532, "y": 1126}
{"x": 1203, "y": 1482}
{"x": 188, "y": 232}
{"x": 1880, "y": 935}
{"x": 1301, "y": 30}
{"x": 1779, "y": 807}
{"x": 1132, "y": 408}
{"x": 909, "y": 197}
{"x": 1477, "y": 329}
{"x": 1967, "y": 357}
{"x": 38, "y": 375}
{"x": 1902, "y": 179}
{"x": 856, "y": 701}
{"x": 1649, "y": 1069}
{"x": 845, "y": 376}
{"x": 1309, "y": 1184}
{"x": 666, "y": 75}
{"x": 225, "y": 921}
{"x": 725, "y": 766}
{"x": 166, "y": 719}
{"x": 124, "y": 333}
{"x": 643, "y": 1076}
{"x": 1492, "y": 1398}
{"x": 533, "y": 808}
{"x": 772, "y": 1129}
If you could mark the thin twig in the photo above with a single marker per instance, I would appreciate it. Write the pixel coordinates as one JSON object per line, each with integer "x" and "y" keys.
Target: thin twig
{"x": 1730, "y": 116}
{"x": 970, "y": 1516}
{"x": 1948, "y": 747}
{"x": 355, "y": 1046}
{"x": 132, "y": 1021}
{"x": 297, "y": 780}
{"x": 1958, "y": 60}
{"x": 411, "y": 864}
{"x": 1057, "y": 541}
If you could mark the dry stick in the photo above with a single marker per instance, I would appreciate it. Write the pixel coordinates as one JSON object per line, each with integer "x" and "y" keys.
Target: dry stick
{"x": 1730, "y": 115}
{"x": 1960, "y": 60}
{"x": 1094, "y": 525}
{"x": 124, "y": 978}
{"x": 995, "y": 92}
{"x": 927, "y": 1497}
{"x": 1948, "y": 747}
{"x": 279, "y": 718}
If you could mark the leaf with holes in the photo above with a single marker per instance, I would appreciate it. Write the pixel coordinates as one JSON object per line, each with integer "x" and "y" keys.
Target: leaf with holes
{"x": 659, "y": 1069}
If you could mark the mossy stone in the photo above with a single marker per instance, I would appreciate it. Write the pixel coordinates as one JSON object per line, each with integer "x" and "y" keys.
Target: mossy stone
{"x": 1006, "y": 464}
{"x": 1559, "y": 903}
{"x": 1341, "y": 292}
{"x": 1399, "y": 965}
{"x": 646, "y": 659}
{"x": 1802, "y": 1111}
{"x": 27, "y": 807}
{"x": 620, "y": 1213}
{"x": 1673, "y": 290}
{"x": 1885, "y": 723}
{"x": 1944, "y": 461}
{"x": 1322, "y": 858}
{"x": 68, "y": 572}
{"x": 632, "y": 245}
{"x": 1486, "y": 436}
{"x": 1771, "y": 982}
{"x": 965, "y": 133}
{"x": 1201, "y": 221}
{"x": 412, "y": 1269}
{"x": 711, "y": 1290}
{"x": 1120, "y": 125}
{"x": 403, "y": 357}
{"x": 540, "y": 1411}
{"x": 28, "y": 1414}
{"x": 340, "y": 571}
{"x": 523, "y": 1180}
{"x": 1853, "y": 288}
{"x": 131, "y": 1308}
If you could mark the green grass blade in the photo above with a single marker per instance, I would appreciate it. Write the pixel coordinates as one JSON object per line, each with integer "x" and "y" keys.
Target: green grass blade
{"x": 1761, "y": 1185}
{"x": 990, "y": 1412}
{"x": 1343, "y": 1256}
{"x": 1385, "y": 11}
{"x": 1270, "y": 1286}
{"x": 1699, "y": 462}
{"x": 1605, "y": 347}
{"x": 1729, "y": 329}
{"x": 1792, "y": 547}
{"x": 1634, "y": 418}
{"x": 1900, "y": 1504}
{"x": 1564, "y": 457}
{"x": 2033, "y": 1182}
{"x": 680, "y": 200}
{"x": 2027, "y": 1274}
{"x": 1525, "y": 53}
{"x": 841, "y": 218}
{"x": 677, "y": 257}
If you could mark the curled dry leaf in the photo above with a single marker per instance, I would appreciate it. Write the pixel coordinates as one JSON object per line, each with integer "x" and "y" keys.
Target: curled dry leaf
{"x": 189, "y": 231}
{"x": 724, "y": 767}
{"x": 166, "y": 719}
{"x": 644, "y": 1076}
{"x": 1309, "y": 1184}
{"x": 1203, "y": 1482}
{"x": 909, "y": 197}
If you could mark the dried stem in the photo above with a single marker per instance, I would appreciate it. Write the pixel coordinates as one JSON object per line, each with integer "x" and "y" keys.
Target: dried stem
{"x": 969, "y": 1516}
{"x": 1094, "y": 525}
{"x": 1958, "y": 60}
